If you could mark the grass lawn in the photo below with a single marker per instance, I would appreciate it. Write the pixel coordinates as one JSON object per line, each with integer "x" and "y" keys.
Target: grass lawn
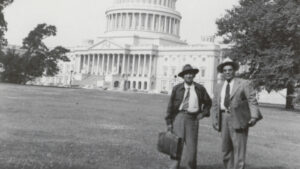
{"x": 45, "y": 128}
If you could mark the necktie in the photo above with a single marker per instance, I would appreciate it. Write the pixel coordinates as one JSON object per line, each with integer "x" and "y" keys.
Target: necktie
{"x": 227, "y": 96}
{"x": 185, "y": 104}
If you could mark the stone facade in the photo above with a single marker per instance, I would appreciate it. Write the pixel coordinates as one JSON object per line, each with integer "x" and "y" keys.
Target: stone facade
{"x": 142, "y": 50}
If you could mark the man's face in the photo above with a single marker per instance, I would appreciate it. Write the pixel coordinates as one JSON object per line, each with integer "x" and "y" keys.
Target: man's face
{"x": 228, "y": 72}
{"x": 188, "y": 78}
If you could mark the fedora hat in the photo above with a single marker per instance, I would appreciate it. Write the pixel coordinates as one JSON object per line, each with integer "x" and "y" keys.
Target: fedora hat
{"x": 188, "y": 69}
{"x": 228, "y": 61}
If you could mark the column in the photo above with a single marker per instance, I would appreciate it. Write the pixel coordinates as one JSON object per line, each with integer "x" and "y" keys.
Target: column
{"x": 107, "y": 64}
{"x": 118, "y": 64}
{"x": 133, "y": 65}
{"x": 178, "y": 28}
{"x": 127, "y": 21}
{"x": 115, "y": 21}
{"x": 102, "y": 63}
{"x": 93, "y": 63}
{"x": 98, "y": 64}
{"x": 113, "y": 64}
{"x": 140, "y": 21}
{"x": 89, "y": 60}
{"x": 144, "y": 66}
{"x": 153, "y": 23}
{"x": 138, "y": 65}
{"x": 128, "y": 64}
{"x": 121, "y": 21}
{"x": 175, "y": 27}
{"x": 150, "y": 66}
{"x": 81, "y": 64}
{"x": 166, "y": 22}
{"x": 159, "y": 23}
{"x": 147, "y": 21}
{"x": 107, "y": 22}
{"x": 123, "y": 64}
{"x": 133, "y": 21}
{"x": 170, "y": 25}
{"x": 78, "y": 59}
{"x": 110, "y": 22}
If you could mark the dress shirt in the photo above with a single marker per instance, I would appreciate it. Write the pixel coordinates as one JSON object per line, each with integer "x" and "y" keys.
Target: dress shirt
{"x": 223, "y": 92}
{"x": 193, "y": 100}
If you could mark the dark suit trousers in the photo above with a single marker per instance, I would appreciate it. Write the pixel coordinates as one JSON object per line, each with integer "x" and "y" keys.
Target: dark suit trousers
{"x": 234, "y": 144}
{"x": 186, "y": 126}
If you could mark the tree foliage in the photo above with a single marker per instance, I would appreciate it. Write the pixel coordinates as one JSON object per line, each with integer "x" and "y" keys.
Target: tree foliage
{"x": 12, "y": 64}
{"x": 265, "y": 36}
{"x": 3, "y": 24}
{"x": 35, "y": 57}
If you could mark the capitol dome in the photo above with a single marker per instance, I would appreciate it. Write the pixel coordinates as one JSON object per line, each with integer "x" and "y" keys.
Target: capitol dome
{"x": 154, "y": 19}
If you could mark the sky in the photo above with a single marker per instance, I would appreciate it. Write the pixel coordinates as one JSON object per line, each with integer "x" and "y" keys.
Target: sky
{"x": 79, "y": 20}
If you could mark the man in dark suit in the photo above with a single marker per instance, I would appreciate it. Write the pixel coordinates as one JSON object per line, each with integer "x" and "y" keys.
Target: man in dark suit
{"x": 189, "y": 102}
{"x": 234, "y": 110}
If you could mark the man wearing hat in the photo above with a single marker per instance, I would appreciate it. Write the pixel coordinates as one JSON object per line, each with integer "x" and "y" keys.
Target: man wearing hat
{"x": 234, "y": 110}
{"x": 189, "y": 102}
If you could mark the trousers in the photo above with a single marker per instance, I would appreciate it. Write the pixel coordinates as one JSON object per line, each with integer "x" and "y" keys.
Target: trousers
{"x": 234, "y": 143}
{"x": 186, "y": 126}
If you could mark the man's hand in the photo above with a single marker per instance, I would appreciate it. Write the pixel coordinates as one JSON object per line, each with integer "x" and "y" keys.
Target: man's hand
{"x": 170, "y": 127}
{"x": 200, "y": 116}
{"x": 252, "y": 122}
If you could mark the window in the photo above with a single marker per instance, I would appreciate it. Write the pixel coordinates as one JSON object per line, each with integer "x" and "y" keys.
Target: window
{"x": 165, "y": 70}
{"x": 173, "y": 70}
{"x": 163, "y": 85}
{"x": 128, "y": 85}
{"x": 203, "y": 72}
{"x": 145, "y": 85}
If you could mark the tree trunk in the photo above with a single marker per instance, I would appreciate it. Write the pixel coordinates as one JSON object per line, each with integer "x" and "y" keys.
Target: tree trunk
{"x": 289, "y": 96}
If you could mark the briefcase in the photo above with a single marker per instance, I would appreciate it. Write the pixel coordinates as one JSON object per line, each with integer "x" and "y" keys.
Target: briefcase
{"x": 170, "y": 144}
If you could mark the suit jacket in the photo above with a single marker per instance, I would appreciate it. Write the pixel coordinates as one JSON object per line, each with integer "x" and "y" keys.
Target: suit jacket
{"x": 176, "y": 98}
{"x": 243, "y": 105}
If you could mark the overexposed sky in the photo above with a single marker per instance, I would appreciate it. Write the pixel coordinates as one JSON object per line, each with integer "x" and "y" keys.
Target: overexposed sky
{"x": 79, "y": 20}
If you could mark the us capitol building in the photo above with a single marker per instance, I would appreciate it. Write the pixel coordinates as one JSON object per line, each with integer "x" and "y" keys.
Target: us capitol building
{"x": 141, "y": 50}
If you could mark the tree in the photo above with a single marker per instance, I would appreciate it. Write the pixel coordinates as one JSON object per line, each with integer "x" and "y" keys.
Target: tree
{"x": 3, "y": 24}
{"x": 36, "y": 59}
{"x": 264, "y": 35}
{"x": 12, "y": 63}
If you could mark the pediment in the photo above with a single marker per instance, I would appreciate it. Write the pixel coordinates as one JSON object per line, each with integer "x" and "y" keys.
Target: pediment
{"x": 106, "y": 44}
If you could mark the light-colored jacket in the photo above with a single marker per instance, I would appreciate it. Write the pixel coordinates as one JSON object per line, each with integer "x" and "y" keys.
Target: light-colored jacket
{"x": 243, "y": 105}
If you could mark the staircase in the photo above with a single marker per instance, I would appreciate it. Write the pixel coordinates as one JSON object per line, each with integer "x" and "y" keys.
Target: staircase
{"x": 88, "y": 81}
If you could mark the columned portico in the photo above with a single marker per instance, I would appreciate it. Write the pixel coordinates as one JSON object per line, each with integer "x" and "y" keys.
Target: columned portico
{"x": 125, "y": 69}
